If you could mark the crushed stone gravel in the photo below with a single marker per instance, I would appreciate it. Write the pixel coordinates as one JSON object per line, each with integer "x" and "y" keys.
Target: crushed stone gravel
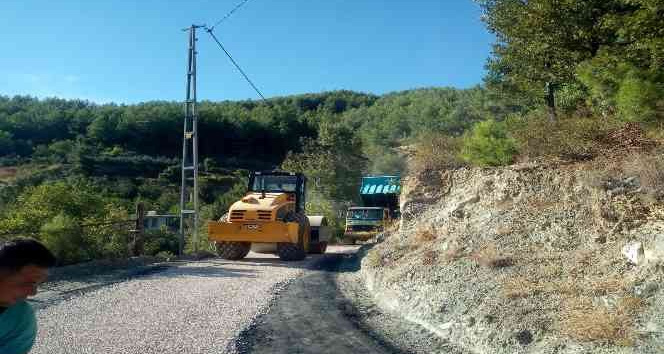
{"x": 195, "y": 307}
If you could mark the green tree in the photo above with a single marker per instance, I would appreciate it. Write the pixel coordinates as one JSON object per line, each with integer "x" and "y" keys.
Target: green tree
{"x": 6, "y": 143}
{"x": 333, "y": 163}
{"x": 488, "y": 144}
{"x": 541, "y": 42}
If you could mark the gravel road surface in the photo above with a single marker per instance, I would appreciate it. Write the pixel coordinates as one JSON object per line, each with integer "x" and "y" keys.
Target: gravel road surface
{"x": 189, "y": 307}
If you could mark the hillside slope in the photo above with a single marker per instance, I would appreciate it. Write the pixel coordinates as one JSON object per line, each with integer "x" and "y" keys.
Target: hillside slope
{"x": 529, "y": 258}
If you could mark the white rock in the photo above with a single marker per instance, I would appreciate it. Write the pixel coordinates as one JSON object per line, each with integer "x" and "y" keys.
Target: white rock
{"x": 655, "y": 253}
{"x": 634, "y": 252}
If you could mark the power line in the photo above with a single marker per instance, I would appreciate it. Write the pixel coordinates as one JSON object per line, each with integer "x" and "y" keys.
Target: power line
{"x": 209, "y": 30}
{"x": 229, "y": 14}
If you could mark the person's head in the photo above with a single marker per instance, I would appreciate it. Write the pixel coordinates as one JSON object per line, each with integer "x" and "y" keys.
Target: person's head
{"x": 24, "y": 265}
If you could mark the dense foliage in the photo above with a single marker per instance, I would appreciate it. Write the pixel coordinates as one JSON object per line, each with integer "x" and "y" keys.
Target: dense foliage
{"x": 606, "y": 54}
{"x": 563, "y": 74}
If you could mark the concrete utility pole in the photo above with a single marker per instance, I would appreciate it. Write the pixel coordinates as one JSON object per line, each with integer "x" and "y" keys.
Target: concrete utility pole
{"x": 189, "y": 189}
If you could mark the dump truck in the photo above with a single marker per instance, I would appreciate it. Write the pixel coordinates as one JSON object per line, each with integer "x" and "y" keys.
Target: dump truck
{"x": 380, "y": 206}
{"x": 270, "y": 218}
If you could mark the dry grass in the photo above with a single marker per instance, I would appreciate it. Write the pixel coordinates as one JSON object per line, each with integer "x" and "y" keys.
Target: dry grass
{"x": 373, "y": 259}
{"x": 520, "y": 287}
{"x": 503, "y": 230}
{"x": 490, "y": 257}
{"x": 425, "y": 234}
{"x": 568, "y": 288}
{"x": 550, "y": 270}
{"x": 538, "y": 204}
{"x": 596, "y": 324}
{"x": 429, "y": 257}
{"x": 612, "y": 285}
{"x": 586, "y": 322}
{"x": 630, "y": 305}
{"x": 650, "y": 171}
{"x": 7, "y": 172}
{"x": 583, "y": 257}
{"x": 570, "y": 137}
{"x": 436, "y": 152}
{"x": 454, "y": 252}
{"x": 392, "y": 226}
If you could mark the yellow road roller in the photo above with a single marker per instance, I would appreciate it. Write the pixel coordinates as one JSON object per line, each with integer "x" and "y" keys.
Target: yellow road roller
{"x": 270, "y": 218}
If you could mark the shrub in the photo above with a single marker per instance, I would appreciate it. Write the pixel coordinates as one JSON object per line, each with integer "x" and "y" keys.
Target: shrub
{"x": 387, "y": 163}
{"x": 584, "y": 321}
{"x": 436, "y": 152}
{"x": 64, "y": 237}
{"x": 637, "y": 99}
{"x": 161, "y": 241}
{"x": 570, "y": 136}
{"x": 488, "y": 144}
{"x": 165, "y": 255}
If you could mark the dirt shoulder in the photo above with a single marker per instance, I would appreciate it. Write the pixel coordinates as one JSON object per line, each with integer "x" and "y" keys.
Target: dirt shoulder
{"x": 530, "y": 258}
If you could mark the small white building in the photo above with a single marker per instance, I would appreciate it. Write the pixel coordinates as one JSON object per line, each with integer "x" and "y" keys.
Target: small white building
{"x": 153, "y": 221}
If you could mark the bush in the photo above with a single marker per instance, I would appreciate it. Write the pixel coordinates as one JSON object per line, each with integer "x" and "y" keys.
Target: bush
{"x": 64, "y": 237}
{"x": 637, "y": 99}
{"x": 388, "y": 163}
{"x": 488, "y": 144}
{"x": 165, "y": 255}
{"x": 161, "y": 241}
{"x": 435, "y": 152}
{"x": 570, "y": 136}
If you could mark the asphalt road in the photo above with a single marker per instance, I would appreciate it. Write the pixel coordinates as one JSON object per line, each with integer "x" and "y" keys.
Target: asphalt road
{"x": 257, "y": 305}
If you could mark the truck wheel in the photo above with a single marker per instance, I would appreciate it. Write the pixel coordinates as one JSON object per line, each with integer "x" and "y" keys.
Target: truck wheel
{"x": 348, "y": 241}
{"x": 288, "y": 251}
{"x": 318, "y": 247}
{"x": 232, "y": 250}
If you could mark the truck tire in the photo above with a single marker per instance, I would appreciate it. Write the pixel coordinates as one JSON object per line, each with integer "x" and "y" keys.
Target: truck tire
{"x": 232, "y": 250}
{"x": 318, "y": 247}
{"x": 348, "y": 241}
{"x": 288, "y": 251}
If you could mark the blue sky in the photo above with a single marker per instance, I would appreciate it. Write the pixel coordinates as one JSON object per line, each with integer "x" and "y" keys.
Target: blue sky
{"x": 132, "y": 51}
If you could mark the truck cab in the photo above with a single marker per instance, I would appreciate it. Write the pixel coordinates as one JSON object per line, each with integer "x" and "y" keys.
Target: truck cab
{"x": 364, "y": 223}
{"x": 380, "y": 206}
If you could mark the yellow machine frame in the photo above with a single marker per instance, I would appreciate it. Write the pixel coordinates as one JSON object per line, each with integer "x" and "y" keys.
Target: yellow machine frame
{"x": 265, "y": 231}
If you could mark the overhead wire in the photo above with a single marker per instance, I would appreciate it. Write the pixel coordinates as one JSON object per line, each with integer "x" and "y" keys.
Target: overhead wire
{"x": 237, "y": 66}
{"x": 209, "y": 30}
{"x": 229, "y": 14}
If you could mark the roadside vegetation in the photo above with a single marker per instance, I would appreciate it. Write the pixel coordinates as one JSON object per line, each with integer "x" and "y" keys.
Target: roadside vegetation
{"x": 535, "y": 252}
{"x": 563, "y": 77}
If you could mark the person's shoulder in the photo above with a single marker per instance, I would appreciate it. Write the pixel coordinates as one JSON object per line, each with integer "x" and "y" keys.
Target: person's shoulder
{"x": 18, "y": 328}
{"x": 22, "y": 310}
{"x": 23, "y": 307}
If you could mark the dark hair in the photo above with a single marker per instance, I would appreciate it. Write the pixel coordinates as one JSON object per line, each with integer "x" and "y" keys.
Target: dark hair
{"x": 20, "y": 252}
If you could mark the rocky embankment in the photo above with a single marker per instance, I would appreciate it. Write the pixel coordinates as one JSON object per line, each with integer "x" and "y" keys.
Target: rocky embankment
{"x": 531, "y": 258}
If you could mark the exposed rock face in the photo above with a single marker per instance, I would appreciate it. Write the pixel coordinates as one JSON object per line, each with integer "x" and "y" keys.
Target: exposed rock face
{"x": 527, "y": 259}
